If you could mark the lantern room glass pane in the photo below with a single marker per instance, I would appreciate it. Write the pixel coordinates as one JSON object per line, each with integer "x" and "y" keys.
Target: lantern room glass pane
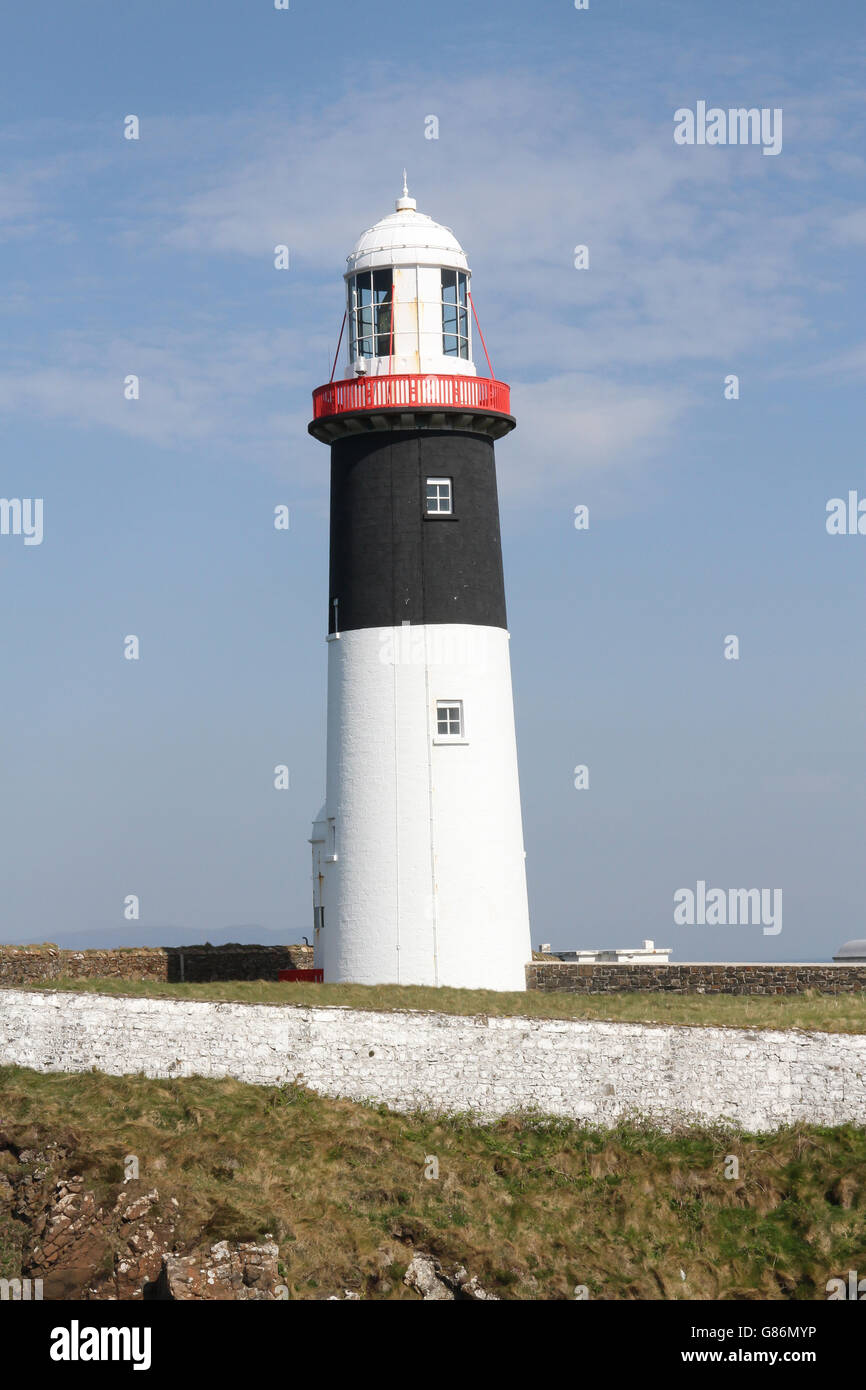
{"x": 370, "y": 295}
{"x": 455, "y": 317}
{"x": 381, "y": 285}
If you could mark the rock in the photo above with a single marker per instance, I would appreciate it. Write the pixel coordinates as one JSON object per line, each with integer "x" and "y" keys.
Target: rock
{"x": 472, "y": 1289}
{"x": 126, "y": 1249}
{"x": 423, "y": 1276}
{"x": 426, "y": 1275}
{"x": 240, "y": 1271}
{"x": 133, "y": 1211}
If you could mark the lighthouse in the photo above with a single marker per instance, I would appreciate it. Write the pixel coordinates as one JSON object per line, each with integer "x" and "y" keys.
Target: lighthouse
{"x": 419, "y": 871}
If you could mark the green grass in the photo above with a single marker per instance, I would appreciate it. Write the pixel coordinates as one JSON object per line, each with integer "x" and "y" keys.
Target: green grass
{"x": 532, "y": 1206}
{"x": 842, "y": 1013}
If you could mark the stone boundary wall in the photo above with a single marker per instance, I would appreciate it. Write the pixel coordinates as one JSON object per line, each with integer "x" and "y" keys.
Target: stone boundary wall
{"x": 196, "y": 964}
{"x": 588, "y": 1070}
{"x": 200, "y": 964}
{"x": 570, "y": 978}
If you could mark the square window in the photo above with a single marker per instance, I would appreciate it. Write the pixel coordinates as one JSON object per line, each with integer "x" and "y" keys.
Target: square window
{"x": 449, "y": 718}
{"x": 439, "y": 497}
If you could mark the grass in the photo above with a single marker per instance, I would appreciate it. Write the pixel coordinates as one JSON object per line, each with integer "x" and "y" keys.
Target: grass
{"x": 532, "y": 1206}
{"x": 827, "y": 1013}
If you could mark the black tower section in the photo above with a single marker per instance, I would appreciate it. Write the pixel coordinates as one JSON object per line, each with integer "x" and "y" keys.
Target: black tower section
{"x": 392, "y": 563}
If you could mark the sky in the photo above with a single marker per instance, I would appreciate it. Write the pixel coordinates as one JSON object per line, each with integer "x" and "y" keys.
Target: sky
{"x": 707, "y": 514}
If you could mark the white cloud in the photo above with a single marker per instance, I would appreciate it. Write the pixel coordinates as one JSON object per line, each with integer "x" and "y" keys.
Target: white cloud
{"x": 577, "y": 424}
{"x": 694, "y": 262}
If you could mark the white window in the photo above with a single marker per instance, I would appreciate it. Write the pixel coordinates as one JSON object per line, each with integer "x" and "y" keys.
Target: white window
{"x": 439, "y": 497}
{"x": 449, "y": 718}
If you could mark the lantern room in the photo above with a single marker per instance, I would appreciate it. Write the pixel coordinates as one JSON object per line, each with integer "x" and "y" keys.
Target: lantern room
{"x": 409, "y": 330}
{"x": 407, "y": 298}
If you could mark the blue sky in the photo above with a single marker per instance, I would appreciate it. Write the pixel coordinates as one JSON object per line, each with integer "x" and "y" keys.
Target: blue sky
{"x": 707, "y": 516}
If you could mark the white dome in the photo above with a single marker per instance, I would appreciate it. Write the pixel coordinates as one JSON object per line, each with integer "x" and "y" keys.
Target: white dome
{"x": 852, "y": 950}
{"x": 406, "y": 237}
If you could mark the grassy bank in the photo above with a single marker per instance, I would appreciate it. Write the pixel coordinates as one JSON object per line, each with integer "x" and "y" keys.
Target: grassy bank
{"x": 842, "y": 1013}
{"x": 532, "y": 1207}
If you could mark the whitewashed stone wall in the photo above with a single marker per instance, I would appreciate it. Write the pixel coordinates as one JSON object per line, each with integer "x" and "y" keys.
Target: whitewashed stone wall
{"x": 588, "y": 1070}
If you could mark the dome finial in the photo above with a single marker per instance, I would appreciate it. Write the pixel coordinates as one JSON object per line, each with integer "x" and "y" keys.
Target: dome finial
{"x": 405, "y": 203}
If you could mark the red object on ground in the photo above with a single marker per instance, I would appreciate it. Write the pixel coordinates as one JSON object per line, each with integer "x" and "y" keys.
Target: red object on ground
{"x": 315, "y": 977}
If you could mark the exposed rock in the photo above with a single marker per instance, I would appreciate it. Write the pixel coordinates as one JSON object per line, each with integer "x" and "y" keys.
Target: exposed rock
{"x": 121, "y": 1248}
{"x": 427, "y": 1276}
{"x": 132, "y": 1211}
{"x": 470, "y": 1288}
{"x": 423, "y": 1276}
{"x": 242, "y": 1270}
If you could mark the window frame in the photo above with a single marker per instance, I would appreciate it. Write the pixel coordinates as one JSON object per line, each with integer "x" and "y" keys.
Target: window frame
{"x": 450, "y": 736}
{"x": 331, "y": 845}
{"x": 438, "y": 511}
{"x": 365, "y": 317}
{"x": 459, "y": 329}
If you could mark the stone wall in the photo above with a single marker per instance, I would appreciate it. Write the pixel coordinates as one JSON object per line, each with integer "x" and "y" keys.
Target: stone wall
{"x": 21, "y": 964}
{"x": 597, "y": 1071}
{"x": 570, "y": 978}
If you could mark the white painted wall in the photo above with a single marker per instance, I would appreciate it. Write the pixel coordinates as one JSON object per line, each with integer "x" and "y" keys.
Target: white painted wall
{"x": 429, "y": 884}
{"x": 595, "y": 1071}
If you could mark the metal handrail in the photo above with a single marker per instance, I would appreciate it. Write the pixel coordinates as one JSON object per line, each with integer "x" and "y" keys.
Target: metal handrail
{"x": 450, "y": 392}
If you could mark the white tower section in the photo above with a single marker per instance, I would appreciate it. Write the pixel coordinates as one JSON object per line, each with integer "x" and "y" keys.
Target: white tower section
{"x": 418, "y": 859}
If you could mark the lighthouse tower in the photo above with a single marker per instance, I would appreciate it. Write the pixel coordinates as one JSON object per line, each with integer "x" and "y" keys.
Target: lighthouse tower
{"x": 418, "y": 861}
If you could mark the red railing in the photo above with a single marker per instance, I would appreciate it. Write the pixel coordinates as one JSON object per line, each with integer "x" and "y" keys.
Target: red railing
{"x": 392, "y": 392}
